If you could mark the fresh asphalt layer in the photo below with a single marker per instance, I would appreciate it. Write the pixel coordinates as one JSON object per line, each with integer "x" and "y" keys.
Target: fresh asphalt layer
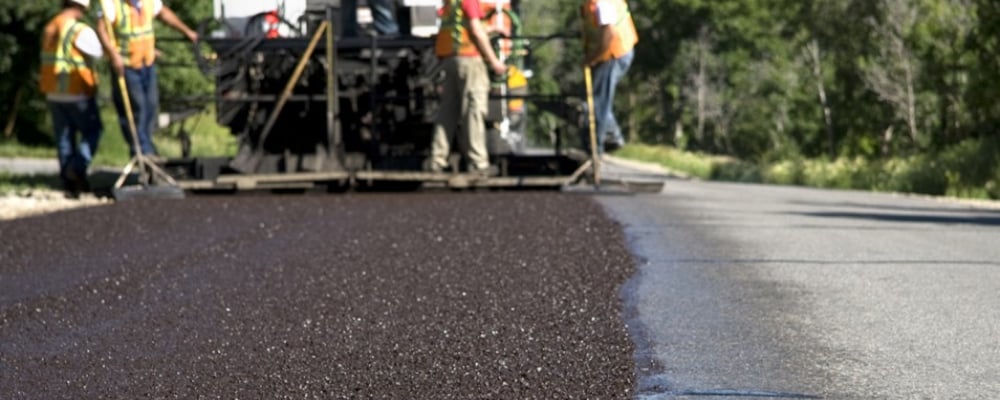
{"x": 746, "y": 291}
{"x": 433, "y": 295}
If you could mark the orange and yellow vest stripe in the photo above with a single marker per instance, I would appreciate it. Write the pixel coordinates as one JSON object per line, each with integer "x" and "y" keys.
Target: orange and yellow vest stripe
{"x": 453, "y": 38}
{"x": 65, "y": 70}
{"x": 133, "y": 30}
{"x": 625, "y": 35}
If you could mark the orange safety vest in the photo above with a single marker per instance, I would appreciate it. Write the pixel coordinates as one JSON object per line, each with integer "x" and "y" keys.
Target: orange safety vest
{"x": 624, "y": 33}
{"x": 134, "y": 33}
{"x": 453, "y": 39}
{"x": 65, "y": 70}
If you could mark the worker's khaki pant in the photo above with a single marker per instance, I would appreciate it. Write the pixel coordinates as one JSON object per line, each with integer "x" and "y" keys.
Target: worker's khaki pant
{"x": 463, "y": 105}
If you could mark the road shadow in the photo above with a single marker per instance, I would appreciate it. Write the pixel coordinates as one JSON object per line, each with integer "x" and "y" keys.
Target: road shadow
{"x": 950, "y": 209}
{"x": 982, "y": 220}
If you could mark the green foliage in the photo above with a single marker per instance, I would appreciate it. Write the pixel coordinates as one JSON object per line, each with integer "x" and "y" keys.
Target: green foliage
{"x": 23, "y": 22}
{"x": 10, "y": 149}
{"x": 736, "y": 171}
{"x": 992, "y": 186}
{"x": 693, "y": 164}
{"x": 10, "y": 183}
{"x": 764, "y": 83}
{"x": 970, "y": 169}
{"x": 179, "y": 76}
{"x": 207, "y": 139}
{"x": 20, "y": 46}
{"x": 895, "y": 95}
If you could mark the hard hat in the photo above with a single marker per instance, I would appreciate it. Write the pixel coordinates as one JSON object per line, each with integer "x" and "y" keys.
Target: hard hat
{"x": 84, "y": 3}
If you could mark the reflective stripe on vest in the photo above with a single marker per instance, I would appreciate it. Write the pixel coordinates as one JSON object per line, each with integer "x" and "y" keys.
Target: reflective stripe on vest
{"x": 624, "y": 33}
{"x": 453, "y": 39}
{"x": 134, "y": 34}
{"x": 65, "y": 70}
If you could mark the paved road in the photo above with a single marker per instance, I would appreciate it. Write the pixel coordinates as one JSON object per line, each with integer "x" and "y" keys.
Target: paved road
{"x": 741, "y": 291}
{"x": 397, "y": 296}
{"x": 756, "y": 291}
{"x": 30, "y": 166}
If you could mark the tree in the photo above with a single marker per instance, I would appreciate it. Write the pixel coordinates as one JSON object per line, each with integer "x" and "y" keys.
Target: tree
{"x": 23, "y": 108}
{"x": 983, "y": 83}
{"x": 179, "y": 77}
{"x": 949, "y": 24}
{"x": 705, "y": 81}
{"x": 814, "y": 59}
{"x": 893, "y": 71}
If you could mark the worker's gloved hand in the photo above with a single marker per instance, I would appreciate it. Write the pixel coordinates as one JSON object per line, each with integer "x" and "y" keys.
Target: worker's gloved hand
{"x": 117, "y": 64}
{"x": 499, "y": 68}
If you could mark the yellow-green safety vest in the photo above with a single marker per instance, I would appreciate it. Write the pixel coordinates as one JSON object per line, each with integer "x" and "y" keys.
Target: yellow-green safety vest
{"x": 65, "y": 69}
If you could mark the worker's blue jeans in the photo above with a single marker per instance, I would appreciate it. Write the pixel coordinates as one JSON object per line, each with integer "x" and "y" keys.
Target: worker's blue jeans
{"x": 606, "y": 76}
{"x": 144, "y": 95}
{"x": 68, "y": 118}
{"x": 383, "y": 15}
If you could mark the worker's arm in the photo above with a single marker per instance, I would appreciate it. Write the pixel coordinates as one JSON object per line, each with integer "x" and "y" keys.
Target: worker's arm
{"x": 603, "y": 44}
{"x": 482, "y": 41}
{"x": 168, "y": 17}
{"x": 500, "y": 30}
{"x": 114, "y": 57}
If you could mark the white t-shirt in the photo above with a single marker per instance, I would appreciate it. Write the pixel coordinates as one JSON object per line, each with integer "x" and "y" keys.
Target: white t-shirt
{"x": 607, "y": 13}
{"x": 111, "y": 12}
{"x": 88, "y": 44}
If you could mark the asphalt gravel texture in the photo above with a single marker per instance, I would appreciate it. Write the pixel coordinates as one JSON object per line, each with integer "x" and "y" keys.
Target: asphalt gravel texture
{"x": 420, "y": 295}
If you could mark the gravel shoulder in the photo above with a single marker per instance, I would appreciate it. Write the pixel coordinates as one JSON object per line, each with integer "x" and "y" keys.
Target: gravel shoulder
{"x": 38, "y": 201}
{"x": 43, "y": 201}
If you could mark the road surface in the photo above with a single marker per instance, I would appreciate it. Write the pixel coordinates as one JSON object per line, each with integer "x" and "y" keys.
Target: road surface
{"x": 435, "y": 295}
{"x": 759, "y": 291}
{"x": 731, "y": 291}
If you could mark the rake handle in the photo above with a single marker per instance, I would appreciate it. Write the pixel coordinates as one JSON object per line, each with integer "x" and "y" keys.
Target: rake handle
{"x": 593, "y": 125}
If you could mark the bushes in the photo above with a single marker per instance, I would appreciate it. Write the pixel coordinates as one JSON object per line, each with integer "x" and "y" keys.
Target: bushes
{"x": 731, "y": 170}
{"x": 992, "y": 186}
{"x": 694, "y": 164}
{"x": 919, "y": 174}
{"x": 969, "y": 169}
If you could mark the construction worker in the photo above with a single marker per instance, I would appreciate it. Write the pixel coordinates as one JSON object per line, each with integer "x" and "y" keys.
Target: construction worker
{"x": 609, "y": 39}
{"x": 463, "y": 45}
{"x": 68, "y": 79}
{"x": 132, "y": 54}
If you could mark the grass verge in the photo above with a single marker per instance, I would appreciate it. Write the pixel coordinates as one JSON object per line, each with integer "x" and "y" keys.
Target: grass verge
{"x": 207, "y": 139}
{"x": 11, "y": 183}
{"x": 968, "y": 170}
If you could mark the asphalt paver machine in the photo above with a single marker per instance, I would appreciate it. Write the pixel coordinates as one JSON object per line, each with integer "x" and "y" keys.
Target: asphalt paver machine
{"x": 316, "y": 97}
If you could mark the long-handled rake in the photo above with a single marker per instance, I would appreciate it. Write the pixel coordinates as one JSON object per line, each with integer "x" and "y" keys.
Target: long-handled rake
{"x": 619, "y": 182}
{"x": 153, "y": 182}
{"x": 594, "y": 157}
